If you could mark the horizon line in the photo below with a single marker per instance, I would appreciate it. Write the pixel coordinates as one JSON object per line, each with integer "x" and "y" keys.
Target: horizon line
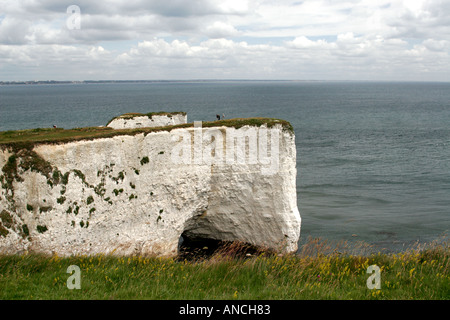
{"x": 50, "y": 81}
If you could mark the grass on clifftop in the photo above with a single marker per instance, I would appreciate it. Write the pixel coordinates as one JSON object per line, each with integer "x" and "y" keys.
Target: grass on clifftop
{"x": 414, "y": 274}
{"x": 50, "y": 135}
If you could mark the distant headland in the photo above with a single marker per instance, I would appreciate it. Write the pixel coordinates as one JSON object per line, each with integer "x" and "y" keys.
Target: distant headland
{"x": 40, "y": 82}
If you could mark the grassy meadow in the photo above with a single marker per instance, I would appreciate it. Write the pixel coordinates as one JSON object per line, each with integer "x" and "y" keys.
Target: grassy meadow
{"x": 420, "y": 273}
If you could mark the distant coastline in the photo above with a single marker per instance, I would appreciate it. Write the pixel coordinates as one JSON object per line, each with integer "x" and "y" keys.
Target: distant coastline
{"x": 43, "y": 82}
{"x": 40, "y": 82}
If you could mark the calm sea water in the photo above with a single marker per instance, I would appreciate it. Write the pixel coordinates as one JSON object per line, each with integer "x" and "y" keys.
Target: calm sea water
{"x": 373, "y": 159}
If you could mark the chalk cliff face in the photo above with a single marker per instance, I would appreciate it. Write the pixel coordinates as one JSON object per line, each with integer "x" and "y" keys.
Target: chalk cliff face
{"x": 129, "y": 121}
{"x": 136, "y": 194}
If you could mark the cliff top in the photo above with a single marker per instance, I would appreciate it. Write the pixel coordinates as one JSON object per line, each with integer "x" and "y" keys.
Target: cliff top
{"x": 30, "y": 137}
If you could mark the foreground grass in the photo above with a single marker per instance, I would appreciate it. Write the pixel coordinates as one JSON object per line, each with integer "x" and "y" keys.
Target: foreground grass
{"x": 415, "y": 274}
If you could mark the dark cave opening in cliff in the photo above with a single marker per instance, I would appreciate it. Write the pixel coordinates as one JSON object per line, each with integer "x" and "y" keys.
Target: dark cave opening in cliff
{"x": 195, "y": 247}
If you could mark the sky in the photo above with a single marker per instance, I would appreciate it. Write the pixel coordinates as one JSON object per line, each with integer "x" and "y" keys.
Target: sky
{"x": 379, "y": 40}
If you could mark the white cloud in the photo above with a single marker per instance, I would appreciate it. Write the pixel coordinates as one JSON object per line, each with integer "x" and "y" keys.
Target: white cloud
{"x": 303, "y": 42}
{"x": 13, "y": 30}
{"x": 437, "y": 45}
{"x": 329, "y": 39}
{"x": 220, "y": 30}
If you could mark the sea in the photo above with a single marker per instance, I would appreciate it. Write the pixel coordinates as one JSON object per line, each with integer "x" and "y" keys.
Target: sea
{"x": 373, "y": 158}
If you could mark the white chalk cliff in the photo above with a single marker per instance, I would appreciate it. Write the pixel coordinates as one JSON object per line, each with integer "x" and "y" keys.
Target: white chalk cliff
{"x": 128, "y": 194}
{"x": 136, "y": 120}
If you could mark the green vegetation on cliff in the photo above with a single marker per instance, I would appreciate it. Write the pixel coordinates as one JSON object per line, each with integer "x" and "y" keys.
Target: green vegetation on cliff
{"x": 26, "y": 139}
